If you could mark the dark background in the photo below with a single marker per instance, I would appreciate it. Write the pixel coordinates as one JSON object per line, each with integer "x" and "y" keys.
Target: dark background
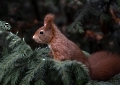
{"x": 98, "y": 18}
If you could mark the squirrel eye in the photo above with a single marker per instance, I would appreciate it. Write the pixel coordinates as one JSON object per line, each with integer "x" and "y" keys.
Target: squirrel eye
{"x": 41, "y": 32}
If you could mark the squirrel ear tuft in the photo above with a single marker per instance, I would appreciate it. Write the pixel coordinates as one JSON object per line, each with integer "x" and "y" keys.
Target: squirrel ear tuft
{"x": 49, "y": 19}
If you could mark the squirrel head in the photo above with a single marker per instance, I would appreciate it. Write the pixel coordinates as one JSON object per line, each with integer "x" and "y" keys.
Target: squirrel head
{"x": 46, "y": 32}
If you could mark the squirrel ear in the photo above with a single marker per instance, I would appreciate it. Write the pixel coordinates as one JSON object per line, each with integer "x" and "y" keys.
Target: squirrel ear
{"x": 48, "y": 26}
{"x": 48, "y": 20}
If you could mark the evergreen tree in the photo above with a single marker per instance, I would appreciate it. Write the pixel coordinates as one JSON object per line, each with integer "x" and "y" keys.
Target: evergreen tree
{"x": 20, "y": 65}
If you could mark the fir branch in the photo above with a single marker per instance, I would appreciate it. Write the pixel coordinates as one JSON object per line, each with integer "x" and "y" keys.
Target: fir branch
{"x": 37, "y": 66}
{"x": 81, "y": 73}
{"x": 19, "y": 59}
{"x": 68, "y": 68}
{"x": 19, "y": 50}
{"x": 115, "y": 80}
{"x": 40, "y": 82}
{"x": 86, "y": 53}
{"x": 105, "y": 17}
{"x": 77, "y": 24}
{"x": 84, "y": 13}
{"x": 94, "y": 11}
{"x": 12, "y": 77}
{"x": 4, "y": 25}
{"x": 107, "y": 1}
{"x": 118, "y": 2}
{"x": 98, "y": 83}
{"x": 63, "y": 71}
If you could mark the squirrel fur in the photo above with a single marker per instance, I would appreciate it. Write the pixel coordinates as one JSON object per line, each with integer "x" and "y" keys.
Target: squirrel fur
{"x": 101, "y": 65}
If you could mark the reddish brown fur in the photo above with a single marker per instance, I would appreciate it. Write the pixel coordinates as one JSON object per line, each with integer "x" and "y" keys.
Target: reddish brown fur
{"x": 61, "y": 47}
{"x": 114, "y": 16}
{"x": 49, "y": 19}
{"x": 104, "y": 65}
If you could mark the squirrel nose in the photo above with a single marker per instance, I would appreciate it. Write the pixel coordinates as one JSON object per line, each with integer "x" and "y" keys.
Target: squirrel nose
{"x": 33, "y": 37}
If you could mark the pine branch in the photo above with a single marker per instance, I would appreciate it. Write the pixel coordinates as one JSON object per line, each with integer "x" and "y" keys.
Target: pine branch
{"x": 118, "y": 2}
{"x": 75, "y": 27}
{"x": 107, "y": 1}
{"x": 20, "y": 65}
{"x": 84, "y": 14}
{"x": 36, "y": 66}
{"x": 4, "y": 25}
{"x": 15, "y": 49}
{"x": 32, "y": 72}
{"x": 77, "y": 24}
{"x": 40, "y": 82}
{"x": 69, "y": 68}
{"x": 115, "y": 80}
{"x": 12, "y": 77}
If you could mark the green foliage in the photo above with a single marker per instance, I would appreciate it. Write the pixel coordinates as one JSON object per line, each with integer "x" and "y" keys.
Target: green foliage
{"x": 4, "y": 25}
{"x": 76, "y": 26}
{"x": 20, "y": 65}
{"x": 72, "y": 72}
{"x": 84, "y": 14}
{"x": 106, "y": 0}
{"x": 86, "y": 53}
{"x": 91, "y": 12}
{"x": 105, "y": 17}
{"x": 17, "y": 50}
{"x": 118, "y": 2}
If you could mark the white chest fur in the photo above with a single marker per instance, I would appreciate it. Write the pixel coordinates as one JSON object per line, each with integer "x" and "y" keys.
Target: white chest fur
{"x": 51, "y": 49}
{"x": 49, "y": 46}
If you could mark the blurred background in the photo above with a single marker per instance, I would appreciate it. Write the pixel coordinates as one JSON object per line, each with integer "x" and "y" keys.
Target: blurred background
{"x": 94, "y": 25}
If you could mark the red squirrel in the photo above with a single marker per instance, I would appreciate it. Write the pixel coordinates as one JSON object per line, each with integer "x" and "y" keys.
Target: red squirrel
{"x": 102, "y": 65}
